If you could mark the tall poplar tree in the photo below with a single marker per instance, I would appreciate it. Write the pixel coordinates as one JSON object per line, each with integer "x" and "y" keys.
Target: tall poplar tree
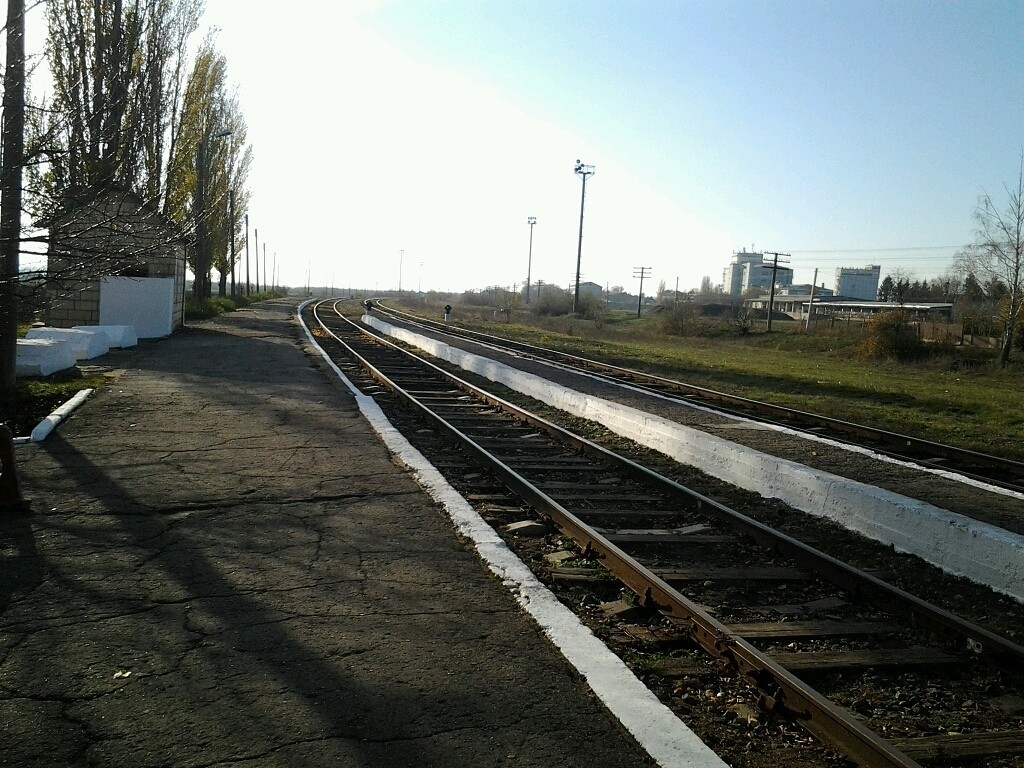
{"x": 117, "y": 69}
{"x": 210, "y": 114}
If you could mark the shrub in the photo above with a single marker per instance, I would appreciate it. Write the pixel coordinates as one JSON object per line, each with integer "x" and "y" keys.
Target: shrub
{"x": 202, "y": 310}
{"x": 552, "y": 302}
{"x": 742, "y": 320}
{"x": 681, "y": 320}
{"x": 593, "y": 308}
{"x": 889, "y": 335}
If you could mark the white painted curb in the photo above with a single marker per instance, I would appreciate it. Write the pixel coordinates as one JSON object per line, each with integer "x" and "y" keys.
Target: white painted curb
{"x": 46, "y": 426}
{"x": 957, "y": 544}
{"x": 657, "y": 729}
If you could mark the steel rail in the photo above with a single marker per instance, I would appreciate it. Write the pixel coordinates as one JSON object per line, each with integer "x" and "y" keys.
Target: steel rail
{"x": 893, "y": 444}
{"x": 779, "y": 688}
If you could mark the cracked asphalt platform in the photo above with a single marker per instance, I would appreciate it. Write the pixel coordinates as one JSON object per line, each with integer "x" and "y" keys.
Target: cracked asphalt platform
{"x": 223, "y": 566}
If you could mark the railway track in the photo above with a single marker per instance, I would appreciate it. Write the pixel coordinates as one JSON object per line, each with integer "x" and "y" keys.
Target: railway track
{"x": 994, "y": 470}
{"x": 819, "y": 643}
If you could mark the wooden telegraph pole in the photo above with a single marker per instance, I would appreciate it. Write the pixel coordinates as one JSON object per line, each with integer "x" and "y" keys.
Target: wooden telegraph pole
{"x": 771, "y": 292}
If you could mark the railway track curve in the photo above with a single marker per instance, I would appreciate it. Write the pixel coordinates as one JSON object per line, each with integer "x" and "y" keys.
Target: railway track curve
{"x": 776, "y": 610}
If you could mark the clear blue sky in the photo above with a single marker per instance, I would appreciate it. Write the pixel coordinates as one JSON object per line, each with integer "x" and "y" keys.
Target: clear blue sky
{"x": 838, "y": 131}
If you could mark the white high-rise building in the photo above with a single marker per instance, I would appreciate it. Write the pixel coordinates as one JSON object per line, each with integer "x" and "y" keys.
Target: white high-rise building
{"x": 733, "y": 277}
{"x": 747, "y": 270}
{"x": 858, "y": 282}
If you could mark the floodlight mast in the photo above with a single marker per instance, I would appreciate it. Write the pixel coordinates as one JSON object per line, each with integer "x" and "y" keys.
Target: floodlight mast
{"x": 583, "y": 171}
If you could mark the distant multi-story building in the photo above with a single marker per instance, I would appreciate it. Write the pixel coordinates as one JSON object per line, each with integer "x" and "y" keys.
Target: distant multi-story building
{"x": 858, "y": 282}
{"x": 760, "y": 276}
{"x": 733, "y": 276}
{"x": 747, "y": 270}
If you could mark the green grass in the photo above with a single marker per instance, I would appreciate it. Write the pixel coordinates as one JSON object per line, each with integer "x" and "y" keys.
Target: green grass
{"x": 950, "y": 398}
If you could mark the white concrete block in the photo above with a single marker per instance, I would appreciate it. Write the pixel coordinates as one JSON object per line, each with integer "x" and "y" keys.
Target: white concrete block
{"x": 118, "y": 336}
{"x": 978, "y": 551}
{"x": 86, "y": 344}
{"x": 41, "y": 357}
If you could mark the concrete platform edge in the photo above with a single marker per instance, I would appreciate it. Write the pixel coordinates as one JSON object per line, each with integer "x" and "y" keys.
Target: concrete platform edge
{"x": 958, "y": 545}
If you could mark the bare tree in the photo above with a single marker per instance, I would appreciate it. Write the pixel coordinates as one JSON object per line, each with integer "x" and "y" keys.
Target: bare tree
{"x": 998, "y": 253}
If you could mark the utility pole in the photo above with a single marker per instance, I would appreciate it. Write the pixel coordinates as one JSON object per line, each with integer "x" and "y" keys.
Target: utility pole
{"x": 810, "y": 303}
{"x": 256, "y": 238}
{"x": 13, "y": 140}
{"x": 273, "y": 273}
{"x": 401, "y": 258}
{"x": 265, "y": 287}
{"x": 641, "y": 272}
{"x": 248, "y": 280}
{"x": 771, "y": 292}
{"x": 531, "y": 220}
{"x": 584, "y": 172}
{"x": 231, "y": 231}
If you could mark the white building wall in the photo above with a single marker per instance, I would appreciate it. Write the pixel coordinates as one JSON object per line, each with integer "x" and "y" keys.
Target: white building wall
{"x": 145, "y": 303}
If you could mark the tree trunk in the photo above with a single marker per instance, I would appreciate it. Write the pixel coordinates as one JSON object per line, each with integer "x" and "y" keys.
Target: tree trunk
{"x": 13, "y": 140}
{"x": 1011, "y": 326}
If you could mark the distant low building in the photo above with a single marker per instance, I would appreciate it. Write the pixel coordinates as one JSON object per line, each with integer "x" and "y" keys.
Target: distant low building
{"x": 919, "y": 310}
{"x": 804, "y": 289}
{"x": 621, "y": 300}
{"x": 672, "y": 296}
{"x": 593, "y": 290}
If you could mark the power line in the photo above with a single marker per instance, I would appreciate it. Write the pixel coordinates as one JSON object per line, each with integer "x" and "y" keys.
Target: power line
{"x": 884, "y": 250}
{"x": 839, "y": 258}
